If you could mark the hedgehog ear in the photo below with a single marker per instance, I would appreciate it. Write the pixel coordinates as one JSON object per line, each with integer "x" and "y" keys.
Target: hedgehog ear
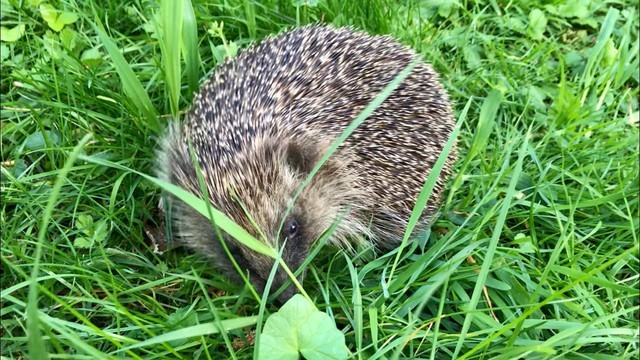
{"x": 300, "y": 158}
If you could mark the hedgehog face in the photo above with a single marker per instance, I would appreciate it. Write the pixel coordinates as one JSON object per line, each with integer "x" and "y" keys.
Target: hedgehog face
{"x": 263, "y": 203}
{"x": 256, "y": 189}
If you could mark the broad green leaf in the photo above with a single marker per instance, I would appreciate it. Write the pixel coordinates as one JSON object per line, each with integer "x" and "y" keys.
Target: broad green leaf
{"x": 13, "y": 34}
{"x": 57, "y": 19}
{"x": 101, "y": 231}
{"x": 51, "y": 42}
{"x": 579, "y": 11}
{"x": 68, "y": 38}
{"x": 537, "y": 24}
{"x": 228, "y": 48}
{"x": 93, "y": 232}
{"x": 298, "y": 327}
{"x": 515, "y": 24}
{"x": 228, "y": 51}
{"x": 4, "y": 52}
{"x": 472, "y": 56}
{"x": 609, "y": 53}
{"x": 279, "y": 339}
{"x": 445, "y": 7}
{"x": 82, "y": 242}
{"x": 37, "y": 141}
{"x": 91, "y": 57}
{"x": 318, "y": 338}
{"x": 575, "y": 8}
{"x": 84, "y": 222}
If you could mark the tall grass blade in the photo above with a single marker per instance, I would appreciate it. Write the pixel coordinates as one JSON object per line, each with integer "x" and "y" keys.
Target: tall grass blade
{"x": 493, "y": 244}
{"x": 596, "y": 52}
{"x": 170, "y": 36}
{"x": 425, "y": 192}
{"x": 37, "y": 349}
{"x": 486, "y": 122}
{"x": 131, "y": 85}
{"x": 377, "y": 101}
{"x": 220, "y": 219}
{"x": 190, "y": 50}
{"x": 196, "y": 330}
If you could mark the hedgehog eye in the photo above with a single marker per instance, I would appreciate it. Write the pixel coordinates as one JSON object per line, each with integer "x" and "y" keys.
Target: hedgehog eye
{"x": 291, "y": 228}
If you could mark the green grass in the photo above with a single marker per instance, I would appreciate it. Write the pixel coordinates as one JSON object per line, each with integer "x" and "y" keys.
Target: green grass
{"x": 535, "y": 254}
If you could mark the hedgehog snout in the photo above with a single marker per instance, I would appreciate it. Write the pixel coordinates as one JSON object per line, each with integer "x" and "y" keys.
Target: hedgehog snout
{"x": 281, "y": 278}
{"x": 260, "y": 267}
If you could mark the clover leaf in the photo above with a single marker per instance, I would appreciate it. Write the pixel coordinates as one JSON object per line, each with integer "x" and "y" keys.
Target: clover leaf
{"x": 92, "y": 233}
{"x": 55, "y": 18}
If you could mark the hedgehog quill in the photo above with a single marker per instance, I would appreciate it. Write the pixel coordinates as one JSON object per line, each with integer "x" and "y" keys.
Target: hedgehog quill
{"x": 266, "y": 117}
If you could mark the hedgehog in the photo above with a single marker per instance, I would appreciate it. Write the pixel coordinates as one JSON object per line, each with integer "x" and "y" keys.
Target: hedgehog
{"x": 262, "y": 121}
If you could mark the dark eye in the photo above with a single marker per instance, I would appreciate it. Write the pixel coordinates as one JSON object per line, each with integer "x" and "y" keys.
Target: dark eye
{"x": 291, "y": 228}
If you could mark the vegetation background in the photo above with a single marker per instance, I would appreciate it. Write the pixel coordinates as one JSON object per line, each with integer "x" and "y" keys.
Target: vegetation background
{"x": 535, "y": 254}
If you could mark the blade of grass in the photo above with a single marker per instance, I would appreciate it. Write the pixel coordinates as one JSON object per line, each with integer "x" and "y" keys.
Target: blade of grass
{"x": 596, "y": 53}
{"x": 486, "y": 123}
{"x": 493, "y": 244}
{"x": 552, "y": 297}
{"x": 37, "y": 348}
{"x": 263, "y": 305}
{"x": 219, "y": 323}
{"x": 205, "y": 195}
{"x": 170, "y": 26}
{"x": 377, "y": 101}
{"x": 196, "y": 331}
{"x": 221, "y": 220}
{"x": 425, "y": 192}
{"x": 190, "y": 51}
{"x": 250, "y": 17}
{"x": 427, "y": 291}
{"x": 356, "y": 300}
{"x": 131, "y": 85}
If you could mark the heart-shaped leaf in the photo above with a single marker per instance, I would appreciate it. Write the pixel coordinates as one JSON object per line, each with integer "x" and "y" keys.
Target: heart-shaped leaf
{"x": 299, "y": 328}
{"x": 537, "y": 24}
{"x": 36, "y": 141}
{"x": 91, "y": 57}
{"x": 13, "y": 34}
{"x": 68, "y": 38}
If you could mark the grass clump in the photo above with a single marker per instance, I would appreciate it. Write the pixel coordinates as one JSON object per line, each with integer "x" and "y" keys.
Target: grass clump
{"x": 535, "y": 254}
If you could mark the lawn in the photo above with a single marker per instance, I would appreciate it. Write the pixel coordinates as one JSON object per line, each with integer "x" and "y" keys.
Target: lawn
{"x": 534, "y": 254}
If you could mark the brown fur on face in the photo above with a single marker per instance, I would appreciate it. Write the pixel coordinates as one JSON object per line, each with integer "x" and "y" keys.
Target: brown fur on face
{"x": 258, "y": 200}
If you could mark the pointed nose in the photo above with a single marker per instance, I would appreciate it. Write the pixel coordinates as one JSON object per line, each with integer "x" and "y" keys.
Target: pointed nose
{"x": 288, "y": 292}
